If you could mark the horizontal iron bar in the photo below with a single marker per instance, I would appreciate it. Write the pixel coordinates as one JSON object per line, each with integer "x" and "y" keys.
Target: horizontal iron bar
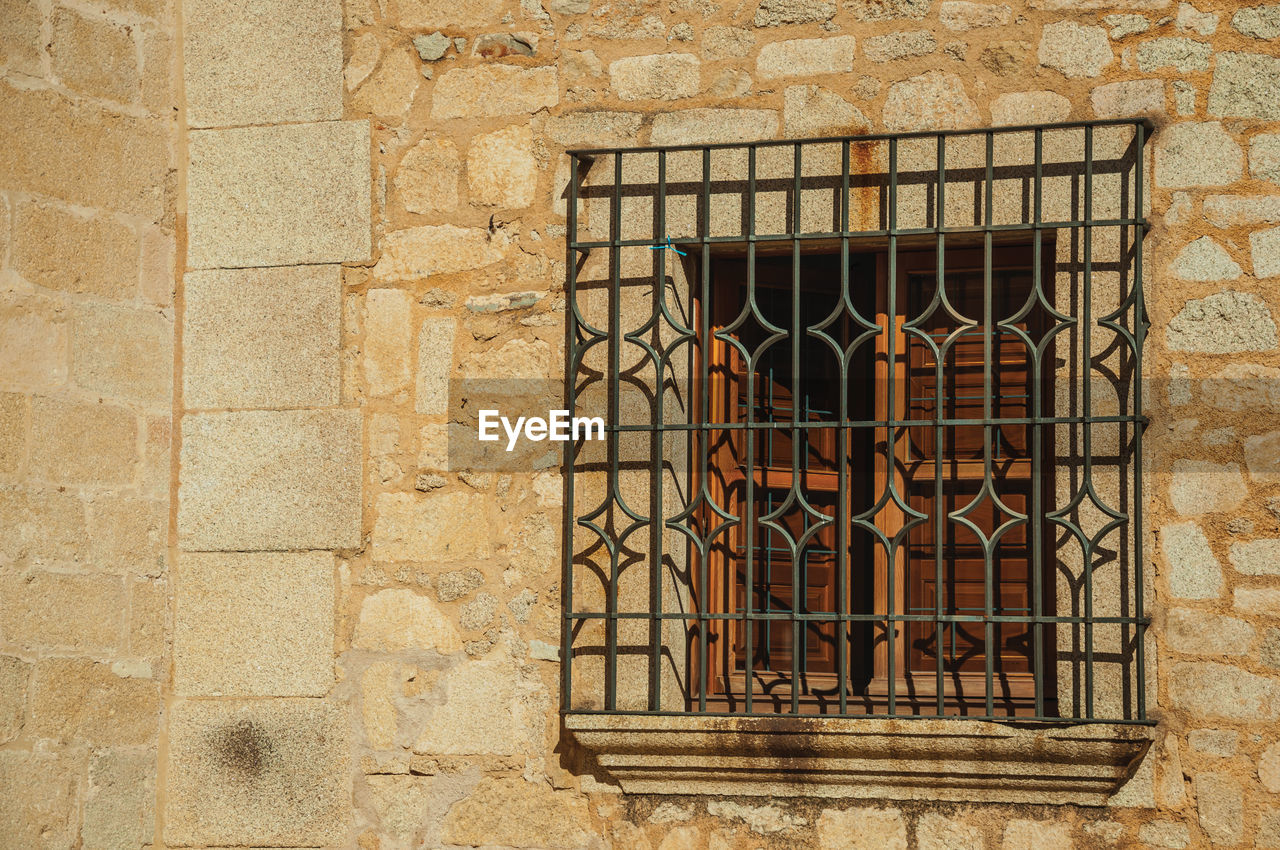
{"x": 787, "y": 616}
{"x": 873, "y": 137}
{"x": 877, "y": 423}
{"x": 996, "y": 718}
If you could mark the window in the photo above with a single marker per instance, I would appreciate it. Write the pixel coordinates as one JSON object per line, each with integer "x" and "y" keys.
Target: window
{"x": 874, "y": 424}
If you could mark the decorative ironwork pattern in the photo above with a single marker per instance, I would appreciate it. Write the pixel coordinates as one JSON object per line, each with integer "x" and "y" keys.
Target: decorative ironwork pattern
{"x": 873, "y": 426}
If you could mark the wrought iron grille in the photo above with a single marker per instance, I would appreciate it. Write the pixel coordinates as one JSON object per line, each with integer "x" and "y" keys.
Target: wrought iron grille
{"x": 873, "y": 426}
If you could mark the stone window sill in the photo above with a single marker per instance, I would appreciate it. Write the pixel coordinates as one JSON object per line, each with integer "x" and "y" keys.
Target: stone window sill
{"x": 887, "y": 758}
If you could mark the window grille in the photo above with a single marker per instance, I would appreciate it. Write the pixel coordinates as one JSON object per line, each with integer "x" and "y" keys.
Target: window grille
{"x": 874, "y": 427}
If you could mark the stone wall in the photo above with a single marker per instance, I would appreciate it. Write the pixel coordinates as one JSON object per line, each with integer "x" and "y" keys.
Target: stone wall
{"x": 88, "y": 171}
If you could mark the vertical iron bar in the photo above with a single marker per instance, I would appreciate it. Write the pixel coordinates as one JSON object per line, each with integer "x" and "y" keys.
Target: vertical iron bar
{"x": 797, "y": 586}
{"x": 1037, "y": 485}
{"x": 1140, "y": 335}
{"x": 1086, "y": 337}
{"x": 749, "y": 519}
{"x": 939, "y": 435}
{"x": 988, "y": 318}
{"x": 891, "y": 328}
{"x": 704, "y": 404}
{"x": 570, "y": 393}
{"x": 656, "y": 622}
{"x": 842, "y": 450}
{"x": 615, "y": 389}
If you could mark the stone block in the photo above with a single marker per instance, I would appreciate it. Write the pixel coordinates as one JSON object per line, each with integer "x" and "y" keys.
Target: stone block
{"x": 888, "y": 10}
{"x": 726, "y": 42}
{"x": 1189, "y": 155}
{"x": 1205, "y": 260}
{"x": 488, "y": 91}
{"x": 273, "y": 196}
{"x": 1181, "y": 54}
{"x": 389, "y": 92}
{"x": 34, "y": 343}
{"x": 1191, "y": 19}
{"x": 1245, "y": 85}
{"x": 270, "y": 480}
{"x": 1075, "y": 50}
{"x": 513, "y": 812}
{"x": 899, "y": 45}
{"x": 128, "y": 534}
{"x": 1268, "y": 835}
{"x": 939, "y": 832}
{"x": 1214, "y": 742}
{"x": 159, "y": 82}
{"x": 435, "y": 528}
{"x": 660, "y": 76}
{"x": 262, "y": 337}
{"x": 501, "y": 170}
{"x": 427, "y": 179}
{"x": 931, "y": 101}
{"x": 449, "y": 14}
{"x": 962, "y": 15}
{"x": 254, "y": 624}
{"x": 1037, "y": 835}
{"x": 850, "y": 829}
{"x": 1264, "y": 247}
{"x": 435, "y": 364}
{"x": 1269, "y": 768}
{"x": 149, "y": 634}
{"x": 121, "y": 162}
{"x": 814, "y": 111}
{"x": 83, "y": 443}
{"x": 1192, "y": 570}
{"x": 21, "y": 38}
{"x": 1233, "y": 210}
{"x": 1165, "y": 833}
{"x": 1225, "y": 322}
{"x": 591, "y": 129}
{"x": 38, "y": 808}
{"x": 79, "y": 700}
{"x": 123, "y": 352}
{"x": 94, "y": 56}
{"x": 86, "y": 255}
{"x": 1201, "y": 486}
{"x": 1201, "y": 633}
{"x": 806, "y": 56}
{"x": 15, "y": 674}
{"x": 1222, "y": 691}
{"x": 388, "y": 335}
{"x": 42, "y": 526}
{"x": 419, "y": 252}
{"x": 262, "y": 61}
{"x": 1128, "y": 99}
{"x": 1258, "y": 22}
{"x": 713, "y": 126}
{"x": 1030, "y": 107}
{"x": 482, "y": 711}
{"x": 1220, "y": 804}
{"x": 14, "y": 428}
{"x": 264, "y": 772}
{"x": 777, "y": 13}
{"x": 398, "y": 619}
{"x": 119, "y": 805}
{"x": 1256, "y": 557}
{"x": 1262, "y": 601}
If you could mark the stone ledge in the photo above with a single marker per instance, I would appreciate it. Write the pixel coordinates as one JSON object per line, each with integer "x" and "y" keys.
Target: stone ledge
{"x": 901, "y": 759}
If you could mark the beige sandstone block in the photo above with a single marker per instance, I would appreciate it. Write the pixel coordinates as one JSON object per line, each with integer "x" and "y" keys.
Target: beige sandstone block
{"x": 1225, "y": 322}
{"x": 501, "y": 170}
{"x": 931, "y": 101}
{"x": 713, "y": 126}
{"x": 262, "y": 337}
{"x": 1037, "y": 835}
{"x": 815, "y": 111}
{"x": 262, "y": 61}
{"x": 418, "y": 252}
{"x": 128, "y": 534}
{"x": 1189, "y": 155}
{"x": 445, "y": 14}
{"x": 270, "y": 480}
{"x": 67, "y": 251}
{"x": 38, "y": 810}
{"x": 726, "y": 42}
{"x": 263, "y": 196}
{"x": 962, "y": 15}
{"x": 1200, "y": 486}
{"x": 482, "y": 712}
{"x": 15, "y": 674}
{"x": 1030, "y": 107}
{"x": 123, "y": 352}
{"x": 516, "y": 813}
{"x": 899, "y": 45}
{"x": 159, "y": 82}
{"x": 388, "y": 337}
{"x": 853, "y": 829}
{"x": 389, "y": 92}
{"x": 1128, "y": 99}
{"x": 83, "y": 443}
{"x": 1164, "y": 833}
{"x": 427, "y": 180}
{"x": 937, "y": 832}
{"x": 21, "y": 38}
{"x": 806, "y": 56}
{"x": 493, "y": 90}
{"x": 1076, "y": 51}
{"x": 62, "y": 611}
{"x": 435, "y": 528}
{"x": 660, "y": 76}
{"x": 1213, "y": 690}
{"x": 398, "y": 619}
{"x": 149, "y": 634}
{"x": 1201, "y": 633}
{"x": 254, "y": 624}
{"x": 34, "y": 343}
{"x": 76, "y": 699}
{"x": 1220, "y": 803}
{"x": 94, "y": 56}
{"x": 435, "y": 365}
{"x": 1262, "y": 601}
{"x": 260, "y": 772}
{"x": 119, "y": 806}
{"x": 14, "y": 428}
{"x": 42, "y": 526}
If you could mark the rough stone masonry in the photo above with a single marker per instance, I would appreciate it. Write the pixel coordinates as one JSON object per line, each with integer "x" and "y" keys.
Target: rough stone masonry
{"x": 245, "y": 245}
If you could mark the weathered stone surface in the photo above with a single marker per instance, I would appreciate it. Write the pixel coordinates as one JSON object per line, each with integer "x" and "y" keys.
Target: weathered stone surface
{"x": 1030, "y": 107}
{"x": 1257, "y": 557}
{"x": 1232, "y": 210}
{"x": 270, "y": 480}
{"x": 726, "y": 42}
{"x": 444, "y": 14}
{"x": 427, "y": 180}
{"x": 849, "y": 829}
{"x": 21, "y": 38}
{"x": 1200, "y": 486}
{"x": 270, "y": 196}
{"x": 15, "y": 674}
{"x": 418, "y": 252}
{"x": 124, "y": 353}
{"x": 43, "y": 526}
{"x": 1268, "y": 835}
{"x": 1006, "y": 58}
{"x": 1123, "y": 26}
{"x": 119, "y": 806}
{"x": 63, "y": 250}
{"x": 128, "y": 533}
{"x": 1201, "y": 633}
{"x": 81, "y": 443}
{"x": 1214, "y": 742}
{"x": 1164, "y": 833}
{"x": 493, "y": 90}
{"x": 1037, "y": 835}
{"x": 1258, "y": 22}
{"x": 899, "y": 45}
{"x": 815, "y": 111}
{"x": 1264, "y": 247}
{"x": 713, "y": 126}
{"x": 1221, "y": 807}
{"x": 365, "y": 52}
{"x": 243, "y": 65}
{"x": 458, "y": 583}
{"x": 1191, "y": 19}
{"x": 661, "y": 76}
{"x": 592, "y": 128}
{"x": 1205, "y": 260}
{"x": 887, "y": 10}
{"x": 1264, "y": 601}
{"x": 83, "y": 613}
{"x": 806, "y": 56}
{"x": 388, "y": 334}
{"x": 263, "y": 772}
{"x": 501, "y": 170}
{"x": 34, "y": 343}
{"x": 1129, "y": 98}
{"x": 389, "y": 91}
{"x": 962, "y": 15}
{"x": 94, "y": 56}
{"x": 938, "y": 832}
{"x": 398, "y": 619}
{"x": 1262, "y": 456}
{"x": 482, "y": 712}
{"x": 1076, "y": 51}
{"x": 75, "y": 699}
{"x": 730, "y": 83}
{"x": 932, "y": 100}
{"x": 1223, "y": 323}
{"x": 254, "y": 624}
{"x": 1184, "y": 98}
{"x": 1189, "y": 155}
{"x": 1245, "y": 84}
{"x": 1193, "y": 571}
{"x": 1214, "y": 690}
{"x": 516, "y": 813}
{"x": 13, "y": 432}
{"x": 38, "y": 810}
{"x": 435, "y": 528}
{"x": 261, "y": 337}
{"x": 1181, "y": 54}
{"x": 435, "y": 363}
{"x": 776, "y": 13}
{"x": 1269, "y": 768}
